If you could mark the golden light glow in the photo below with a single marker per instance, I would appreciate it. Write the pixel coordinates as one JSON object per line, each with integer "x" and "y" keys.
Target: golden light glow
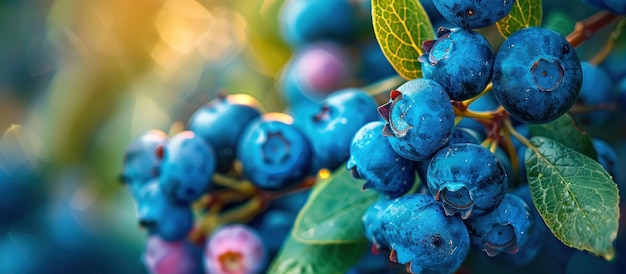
{"x": 323, "y": 174}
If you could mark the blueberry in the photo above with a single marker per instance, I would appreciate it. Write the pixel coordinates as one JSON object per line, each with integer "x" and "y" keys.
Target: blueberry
{"x": 373, "y": 159}
{"x": 234, "y": 248}
{"x": 595, "y": 92}
{"x": 333, "y": 126}
{"x": 537, "y": 236}
{"x": 468, "y": 179}
{"x": 142, "y": 158}
{"x": 607, "y": 156}
{"x": 420, "y": 234}
{"x": 536, "y": 75}
{"x": 419, "y": 117}
{"x": 188, "y": 167}
{"x": 620, "y": 91}
{"x": 305, "y": 21}
{"x": 462, "y": 77}
{"x": 274, "y": 154}
{"x": 372, "y": 223}
{"x": 163, "y": 257}
{"x": 472, "y": 14}
{"x": 504, "y": 229}
{"x": 161, "y": 215}
{"x": 275, "y": 225}
{"x": 221, "y": 122}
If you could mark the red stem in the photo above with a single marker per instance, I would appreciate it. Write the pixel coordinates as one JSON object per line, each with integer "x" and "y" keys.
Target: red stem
{"x": 586, "y": 28}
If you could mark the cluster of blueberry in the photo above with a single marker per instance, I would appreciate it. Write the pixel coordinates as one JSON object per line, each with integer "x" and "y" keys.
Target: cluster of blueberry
{"x": 535, "y": 76}
{"x": 234, "y": 154}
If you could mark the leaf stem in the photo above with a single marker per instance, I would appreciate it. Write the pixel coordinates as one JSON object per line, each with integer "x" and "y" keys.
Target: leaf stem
{"x": 243, "y": 186}
{"x": 509, "y": 127}
{"x": 586, "y": 28}
{"x": 487, "y": 89}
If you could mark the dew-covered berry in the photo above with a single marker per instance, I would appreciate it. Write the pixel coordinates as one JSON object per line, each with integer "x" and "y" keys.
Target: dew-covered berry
{"x": 504, "y": 229}
{"x": 420, "y": 119}
{"x": 333, "y": 126}
{"x": 421, "y": 235}
{"x": 537, "y": 75}
{"x": 372, "y": 223}
{"x": 467, "y": 178}
{"x": 473, "y": 14}
{"x": 372, "y": 158}
{"x": 234, "y": 248}
{"x": 461, "y": 76}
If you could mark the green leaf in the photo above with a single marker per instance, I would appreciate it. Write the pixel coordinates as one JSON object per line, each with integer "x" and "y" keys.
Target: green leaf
{"x": 525, "y": 13}
{"x": 565, "y": 131}
{"x": 296, "y": 257}
{"x": 400, "y": 27}
{"x": 575, "y": 196}
{"x": 332, "y": 214}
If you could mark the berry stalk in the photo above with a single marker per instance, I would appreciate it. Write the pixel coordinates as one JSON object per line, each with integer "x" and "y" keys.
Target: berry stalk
{"x": 585, "y": 29}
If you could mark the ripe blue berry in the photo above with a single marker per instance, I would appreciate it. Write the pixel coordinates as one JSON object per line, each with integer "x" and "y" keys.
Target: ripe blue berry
{"x": 275, "y": 225}
{"x": 420, "y": 234}
{"x": 596, "y": 93}
{"x": 420, "y": 119}
{"x": 372, "y": 223}
{"x": 304, "y": 21}
{"x": 372, "y": 158}
{"x": 332, "y": 128}
{"x": 536, "y": 75}
{"x": 220, "y": 123}
{"x": 234, "y": 248}
{"x": 161, "y": 215}
{"x": 472, "y": 14}
{"x": 188, "y": 166}
{"x": 462, "y": 77}
{"x": 504, "y": 229}
{"x": 142, "y": 158}
{"x": 274, "y": 154}
{"x": 467, "y": 178}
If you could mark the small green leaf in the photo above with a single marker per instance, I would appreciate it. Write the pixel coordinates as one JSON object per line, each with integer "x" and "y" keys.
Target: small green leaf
{"x": 565, "y": 131}
{"x": 525, "y": 13}
{"x": 400, "y": 27}
{"x": 296, "y": 257}
{"x": 332, "y": 214}
{"x": 575, "y": 196}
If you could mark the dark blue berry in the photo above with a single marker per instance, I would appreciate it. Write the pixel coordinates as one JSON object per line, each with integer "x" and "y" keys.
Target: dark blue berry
{"x": 421, "y": 235}
{"x": 461, "y": 76}
{"x": 274, "y": 154}
{"x": 473, "y": 14}
{"x": 607, "y": 157}
{"x": 221, "y": 122}
{"x": 161, "y": 215}
{"x": 419, "y": 117}
{"x": 372, "y": 158}
{"x": 333, "y": 126}
{"x": 536, "y": 75}
{"x": 188, "y": 167}
{"x": 467, "y": 178}
{"x": 596, "y": 93}
{"x": 372, "y": 223}
{"x": 142, "y": 158}
{"x": 504, "y": 229}
{"x": 304, "y": 21}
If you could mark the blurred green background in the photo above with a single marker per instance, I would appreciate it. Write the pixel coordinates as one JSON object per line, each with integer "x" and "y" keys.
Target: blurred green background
{"x": 80, "y": 79}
